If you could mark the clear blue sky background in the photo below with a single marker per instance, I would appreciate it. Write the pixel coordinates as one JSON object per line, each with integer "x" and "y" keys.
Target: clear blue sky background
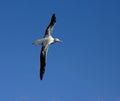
{"x": 85, "y": 67}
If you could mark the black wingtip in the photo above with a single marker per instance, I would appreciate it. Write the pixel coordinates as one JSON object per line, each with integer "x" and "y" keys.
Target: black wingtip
{"x": 53, "y": 14}
{"x": 42, "y": 74}
{"x": 54, "y": 17}
{"x": 41, "y": 77}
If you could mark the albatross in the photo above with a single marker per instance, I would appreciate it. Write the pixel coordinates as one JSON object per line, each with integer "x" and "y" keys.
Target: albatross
{"x": 45, "y": 42}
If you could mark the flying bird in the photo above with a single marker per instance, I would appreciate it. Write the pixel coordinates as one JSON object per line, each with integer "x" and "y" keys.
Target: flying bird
{"x": 45, "y": 42}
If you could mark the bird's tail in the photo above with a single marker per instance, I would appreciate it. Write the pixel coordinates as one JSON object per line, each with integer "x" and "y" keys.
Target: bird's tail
{"x": 38, "y": 42}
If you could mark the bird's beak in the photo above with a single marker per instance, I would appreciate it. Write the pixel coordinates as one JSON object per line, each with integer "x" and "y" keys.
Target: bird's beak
{"x": 60, "y": 41}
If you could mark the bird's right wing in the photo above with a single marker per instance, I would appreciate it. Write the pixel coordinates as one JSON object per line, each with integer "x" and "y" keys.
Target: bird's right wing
{"x": 43, "y": 56}
{"x": 50, "y": 26}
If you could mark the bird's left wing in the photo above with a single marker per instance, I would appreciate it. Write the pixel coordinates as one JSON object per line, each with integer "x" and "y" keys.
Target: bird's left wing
{"x": 43, "y": 56}
{"x": 48, "y": 31}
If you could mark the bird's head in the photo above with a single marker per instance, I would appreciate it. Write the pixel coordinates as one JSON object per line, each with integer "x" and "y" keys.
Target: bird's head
{"x": 57, "y": 40}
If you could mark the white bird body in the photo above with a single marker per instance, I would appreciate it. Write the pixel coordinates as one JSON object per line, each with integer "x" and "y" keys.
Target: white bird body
{"x": 44, "y": 41}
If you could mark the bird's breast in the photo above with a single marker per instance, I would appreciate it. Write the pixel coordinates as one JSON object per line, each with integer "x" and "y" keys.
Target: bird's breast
{"x": 48, "y": 40}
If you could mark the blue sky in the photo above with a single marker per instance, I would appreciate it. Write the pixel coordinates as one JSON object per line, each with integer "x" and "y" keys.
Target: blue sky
{"x": 85, "y": 67}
